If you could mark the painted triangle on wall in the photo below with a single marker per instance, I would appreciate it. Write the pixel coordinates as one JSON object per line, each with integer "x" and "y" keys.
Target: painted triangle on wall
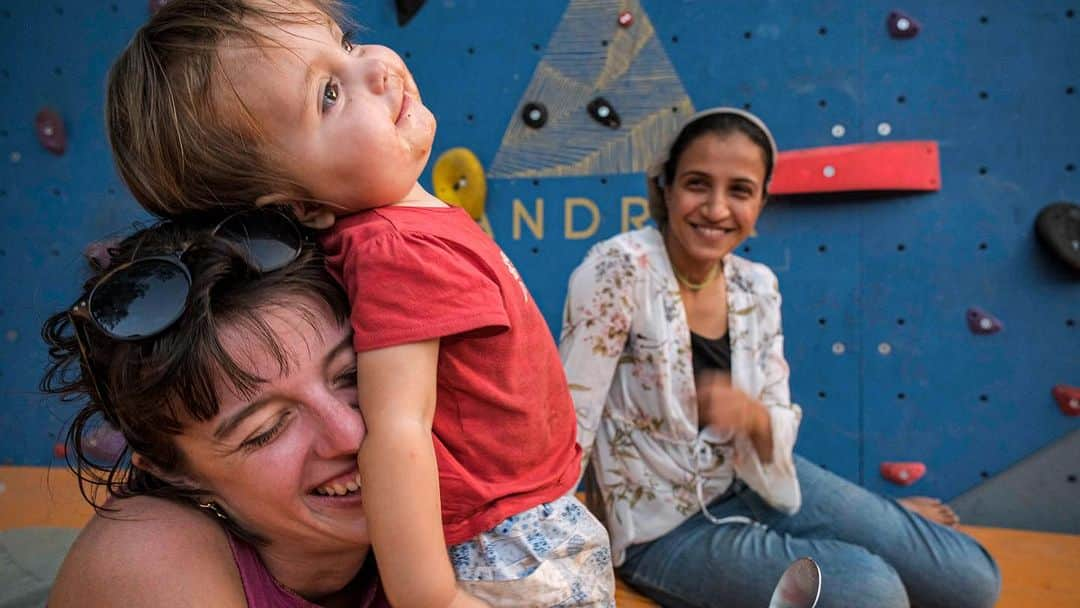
{"x": 591, "y": 55}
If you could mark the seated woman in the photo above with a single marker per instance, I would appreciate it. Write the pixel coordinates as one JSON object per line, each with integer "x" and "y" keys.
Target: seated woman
{"x": 224, "y": 356}
{"x": 673, "y": 350}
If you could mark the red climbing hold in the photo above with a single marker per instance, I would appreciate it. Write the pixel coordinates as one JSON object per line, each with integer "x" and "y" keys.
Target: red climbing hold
{"x": 902, "y": 26}
{"x": 903, "y": 473}
{"x": 50, "y": 131}
{"x": 59, "y": 450}
{"x": 626, "y": 18}
{"x": 885, "y": 166}
{"x": 1068, "y": 398}
{"x": 155, "y": 5}
{"x": 982, "y": 322}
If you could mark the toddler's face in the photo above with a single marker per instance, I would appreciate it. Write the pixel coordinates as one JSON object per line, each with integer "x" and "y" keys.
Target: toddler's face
{"x": 345, "y": 120}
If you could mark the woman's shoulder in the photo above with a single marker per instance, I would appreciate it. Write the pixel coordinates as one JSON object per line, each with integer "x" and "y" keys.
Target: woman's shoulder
{"x": 752, "y": 277}
{"x": 149, "y": 552}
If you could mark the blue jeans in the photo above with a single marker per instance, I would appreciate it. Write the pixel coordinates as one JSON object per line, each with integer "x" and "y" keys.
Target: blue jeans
{"x": 872, "y": 552}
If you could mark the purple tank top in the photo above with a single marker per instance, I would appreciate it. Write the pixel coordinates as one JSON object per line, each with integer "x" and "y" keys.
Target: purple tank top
{"x": 263, "y": 591}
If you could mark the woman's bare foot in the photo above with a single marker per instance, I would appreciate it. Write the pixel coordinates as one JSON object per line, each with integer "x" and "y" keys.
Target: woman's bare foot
{"x": 930, "y": 508}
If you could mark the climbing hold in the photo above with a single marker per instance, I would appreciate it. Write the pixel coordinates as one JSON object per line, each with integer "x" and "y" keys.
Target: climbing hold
{"x": 50, "y": 131}
{"x": 903, "y": 473}
{"x": 534, "y": 114}
{"x": 879, "y": 166}
{"x": 626, "y": 18}
{"x": 1058, "y": 228}
{"x": 982, "y": 322}
{"x": 602, "y": 112}
{"x": 59, "y": 450}
{"x": 902, "y": 26}
{"x": 407, "y": 9}
{"x": 1068, "y": 398}
{"x": 104, "y": 444}
{"x": 155, "y": 5}
{"x": 458, "y": 179}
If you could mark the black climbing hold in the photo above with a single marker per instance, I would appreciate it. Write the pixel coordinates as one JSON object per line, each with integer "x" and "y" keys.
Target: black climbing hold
{"x": 902, "y": 26}
{"x": 1058, "y": 228}
{"x": 534, "y": 114}
{"x": 407, "y": 9}
{"x": 604, "y": 113}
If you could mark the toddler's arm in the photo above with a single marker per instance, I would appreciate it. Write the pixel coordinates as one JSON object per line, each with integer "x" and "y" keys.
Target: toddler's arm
{"x": 396, "y": 387}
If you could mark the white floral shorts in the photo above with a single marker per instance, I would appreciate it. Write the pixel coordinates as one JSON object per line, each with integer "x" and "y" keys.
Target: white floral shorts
{"x": 555, "y": 554}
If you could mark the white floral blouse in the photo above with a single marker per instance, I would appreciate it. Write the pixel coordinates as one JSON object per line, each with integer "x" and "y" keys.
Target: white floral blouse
{"x": 626, "y": 349}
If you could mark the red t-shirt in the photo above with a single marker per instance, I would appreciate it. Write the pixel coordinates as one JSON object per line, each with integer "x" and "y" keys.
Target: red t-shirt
{"x": 504, "y": 427}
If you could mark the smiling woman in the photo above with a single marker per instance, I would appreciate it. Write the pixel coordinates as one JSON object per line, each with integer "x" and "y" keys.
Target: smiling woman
{"x": 240, "y": 418}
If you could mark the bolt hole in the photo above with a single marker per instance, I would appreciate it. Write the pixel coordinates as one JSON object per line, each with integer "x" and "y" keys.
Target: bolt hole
{"x": 983, "y": 246}
{"x": 984, "y": 95}
{"x": 821, "y": 394}
{"x": 901, "y": 396}
{"x": 984, "y": 398}
{"x": 1071, "y": 479}
{"x": 54, "y": 252}
{"x": 1070, "y": 90}
{"x": 1070, "y": 13}
{"x": 746, "y": 249}
{"x": 746, "y": 106}
{"x": 822, "y": 248}
{"x": 59, "y": 10}
{"x": 901, "y": 247}
{"x": 3, "y": 133}
{"x": 821, "y": 321}
{"x": 900, "y": 321}
{"x": 58, "y": 71}
{"x": 747, "y": 35}
{"x": 984, "y": 19}
{"x": 1070, "y": 167}
{"x": 674, "y": 109}
{"x": 675, "y": 39}
{"x": 1070, "y": 323}
{"x": 983, "y": 170}
{"x": 470, "y": 50}
{"x": 55, "y": 192}
{"x": 114, "y": 8}
{"x": 822, "y": 31}
{"x": 603, "y": 43}
{"x": 536, "y": 182}
{"x": 535, "y": 250}
{"x": 984, "y": 474}
{"x": 469, "y": 117}
{"x": 536, "y": 47}
{"x": 822, "y": 103}
{"x": 901, "y": 99}
{"x": 603, "y": 180}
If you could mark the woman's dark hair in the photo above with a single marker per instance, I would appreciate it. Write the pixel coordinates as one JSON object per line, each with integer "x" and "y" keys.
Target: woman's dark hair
{"x": 722, "y": 125}
{"x": 155, "y": 386}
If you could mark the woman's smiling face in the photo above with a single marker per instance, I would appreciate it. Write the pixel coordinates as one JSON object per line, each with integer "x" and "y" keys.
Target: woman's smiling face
{"x": 281, "y": 460}
{"x": 714, "y": 199}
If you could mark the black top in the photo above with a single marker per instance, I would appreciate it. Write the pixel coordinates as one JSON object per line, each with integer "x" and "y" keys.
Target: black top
{"x": 710, "y": 353}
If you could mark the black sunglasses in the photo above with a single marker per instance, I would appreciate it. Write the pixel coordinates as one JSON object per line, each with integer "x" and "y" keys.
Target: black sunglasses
{"x": 145, "y": 296}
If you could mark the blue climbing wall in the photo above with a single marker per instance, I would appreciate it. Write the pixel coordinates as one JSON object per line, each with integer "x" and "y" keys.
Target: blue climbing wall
{"x": 876, "y": 286}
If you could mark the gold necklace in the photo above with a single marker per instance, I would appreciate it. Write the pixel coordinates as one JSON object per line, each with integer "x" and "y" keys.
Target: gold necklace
{"x": 692, "y": 286}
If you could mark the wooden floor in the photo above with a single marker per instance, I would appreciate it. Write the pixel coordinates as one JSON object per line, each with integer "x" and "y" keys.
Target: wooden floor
{"x": 1039, "y": 570}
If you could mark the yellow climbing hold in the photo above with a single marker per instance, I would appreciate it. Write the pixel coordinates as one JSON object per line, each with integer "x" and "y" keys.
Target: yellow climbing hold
{"x": 458, "y": 179}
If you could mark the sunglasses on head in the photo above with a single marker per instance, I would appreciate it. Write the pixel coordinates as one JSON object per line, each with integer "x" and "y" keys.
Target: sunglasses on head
{"x": 145, "y": 296}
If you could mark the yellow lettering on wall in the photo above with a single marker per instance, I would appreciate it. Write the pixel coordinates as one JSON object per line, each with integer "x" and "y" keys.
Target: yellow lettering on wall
{"x": 535, "y": 223}
{"x": 637, "y": 220}
{"x": 573, "y": 202}
{"x": 485, "y": 225}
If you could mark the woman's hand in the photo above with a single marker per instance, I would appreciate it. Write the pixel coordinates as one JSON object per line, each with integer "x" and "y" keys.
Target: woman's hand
{"x": 726, "y": 408}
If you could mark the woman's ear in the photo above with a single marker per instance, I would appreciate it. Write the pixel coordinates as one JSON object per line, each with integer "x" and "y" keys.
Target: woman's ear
{"x": 181, "y": 481}
{"x": 312, "y": 215}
